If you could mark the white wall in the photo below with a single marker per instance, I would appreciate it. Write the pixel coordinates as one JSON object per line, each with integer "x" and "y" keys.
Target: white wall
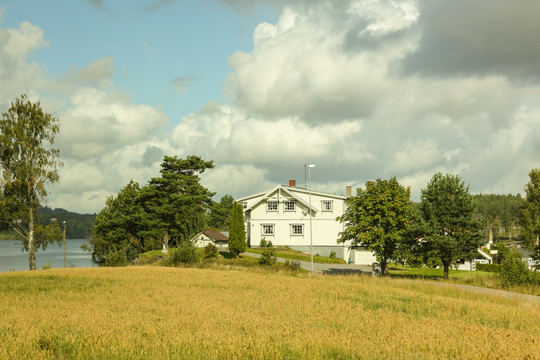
{"x": 326, "y": 228}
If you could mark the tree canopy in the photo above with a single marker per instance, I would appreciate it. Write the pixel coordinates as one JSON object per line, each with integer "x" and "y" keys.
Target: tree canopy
{"x": 170, "y": 209}
{"x": 377, "y": 218}
{"x": 530, "y": 211}
{"x": 451, "y": 231}
{"x": 29, "y": 163}
{"x": 237, "y": 235}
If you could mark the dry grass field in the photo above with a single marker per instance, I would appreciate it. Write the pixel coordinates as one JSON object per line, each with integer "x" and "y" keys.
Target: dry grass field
{"x": 185, "y": 313}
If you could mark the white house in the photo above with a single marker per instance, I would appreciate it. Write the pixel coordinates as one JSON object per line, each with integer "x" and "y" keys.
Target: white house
{"x": 282, "y": 216}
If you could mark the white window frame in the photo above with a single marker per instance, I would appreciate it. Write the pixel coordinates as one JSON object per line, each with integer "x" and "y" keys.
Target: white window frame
{"x": 324, "y": 206}
{"x": 300, "y": 226}
{"x": 244, "y": 205}
{"x": 272, "y": 202}
{"x": 268, "y": 227}
{"x": 289, "y": 203}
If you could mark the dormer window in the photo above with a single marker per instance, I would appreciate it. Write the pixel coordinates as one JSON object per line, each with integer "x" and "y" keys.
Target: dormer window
{"x": 272, "y": 206}
{"x": 289, "y": 206}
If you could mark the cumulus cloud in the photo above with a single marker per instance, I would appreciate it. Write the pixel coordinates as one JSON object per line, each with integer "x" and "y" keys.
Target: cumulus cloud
{"x": 327, "y": 83}
{"x": 485, "y": 37}
{"x": 364, "y": 89}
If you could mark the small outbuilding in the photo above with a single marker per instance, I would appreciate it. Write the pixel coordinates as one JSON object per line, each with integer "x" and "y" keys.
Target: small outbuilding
{"x": 218, "y": 238}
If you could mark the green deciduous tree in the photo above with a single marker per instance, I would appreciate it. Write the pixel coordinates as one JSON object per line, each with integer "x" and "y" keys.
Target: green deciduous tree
{"x": 451, "y": 232}
{"x": 530, "y": 211}
{"x": 219, "y": 217}
{"x": 377, "y": 218}
{"x": 29, "y": 163}
{"x": 237, "y": 234}
{"x": 121, "y": 230}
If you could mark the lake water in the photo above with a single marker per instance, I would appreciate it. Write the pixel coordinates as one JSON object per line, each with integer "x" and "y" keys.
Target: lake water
{"x": 13, "y": 259}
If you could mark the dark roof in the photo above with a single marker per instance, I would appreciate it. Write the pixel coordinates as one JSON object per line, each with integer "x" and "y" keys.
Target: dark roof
{"x": 216, "y": 235}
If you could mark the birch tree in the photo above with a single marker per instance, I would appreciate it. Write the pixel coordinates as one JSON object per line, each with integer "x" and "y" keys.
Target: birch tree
{"x": 29, "y": 163}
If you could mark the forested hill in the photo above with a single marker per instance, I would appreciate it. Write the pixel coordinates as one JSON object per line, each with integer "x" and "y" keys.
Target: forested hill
{"x": 501, "y": 211}
{"x": 79, "y": 226}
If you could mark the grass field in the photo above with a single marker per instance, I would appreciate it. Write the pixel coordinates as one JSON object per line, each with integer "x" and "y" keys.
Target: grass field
{"x": 149, "y": 312}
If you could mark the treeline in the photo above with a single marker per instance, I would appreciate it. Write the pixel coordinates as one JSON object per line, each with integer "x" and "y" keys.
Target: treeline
{"x": 502, "y": 213}
{"x": 78, "y": 226}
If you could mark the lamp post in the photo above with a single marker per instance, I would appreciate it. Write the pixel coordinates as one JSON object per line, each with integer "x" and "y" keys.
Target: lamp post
{"x": 64, "y": 244}
{"x": 306, "y": 166}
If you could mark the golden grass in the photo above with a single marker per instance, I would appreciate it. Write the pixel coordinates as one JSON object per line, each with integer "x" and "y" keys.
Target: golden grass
{"x": 177, "y": 313}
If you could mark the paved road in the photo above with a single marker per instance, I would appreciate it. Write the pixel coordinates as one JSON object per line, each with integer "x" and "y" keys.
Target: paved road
{"x": 341, "y": 269}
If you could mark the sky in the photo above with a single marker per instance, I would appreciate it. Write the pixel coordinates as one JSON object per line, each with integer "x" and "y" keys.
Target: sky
{"x": 363, "y": 89}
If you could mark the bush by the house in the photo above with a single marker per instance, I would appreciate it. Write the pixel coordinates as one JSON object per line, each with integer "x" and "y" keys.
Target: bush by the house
{"x": 265, "y": 243}
{"x": 488, "y": 267}
{"x": 332, "y": 254}
{"x": 268, "y": 257}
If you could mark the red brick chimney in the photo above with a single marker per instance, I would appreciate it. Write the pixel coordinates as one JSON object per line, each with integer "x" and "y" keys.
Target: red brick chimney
{"x": 292, "y": 183}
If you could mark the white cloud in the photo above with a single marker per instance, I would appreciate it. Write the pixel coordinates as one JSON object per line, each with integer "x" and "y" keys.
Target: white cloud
{"x": 331, "y": 83}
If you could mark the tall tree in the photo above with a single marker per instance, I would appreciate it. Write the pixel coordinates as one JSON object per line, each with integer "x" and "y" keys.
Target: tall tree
{"x": 220, "y": 213}
{"x": 29, "y": 163}
{"x": 177, "y": 199}
{"x": 377, "y": 218}
{"x": 121, "y": 230}
{"x": 237, "y": 234}
{"x": 451, "y": 231}
{"x": 530, "y": 211}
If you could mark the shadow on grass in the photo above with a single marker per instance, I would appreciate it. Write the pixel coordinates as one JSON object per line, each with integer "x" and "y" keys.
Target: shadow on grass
{"x": 228, "y": 255}
{"x": 415, "y": 276}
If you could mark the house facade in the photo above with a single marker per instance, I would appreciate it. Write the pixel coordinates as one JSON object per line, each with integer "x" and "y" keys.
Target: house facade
{"x": 282, "y": 216}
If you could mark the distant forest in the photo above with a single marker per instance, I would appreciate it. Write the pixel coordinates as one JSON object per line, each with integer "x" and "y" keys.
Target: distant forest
{"x": 78, "y": 226}
{"x": 502, "y": 213}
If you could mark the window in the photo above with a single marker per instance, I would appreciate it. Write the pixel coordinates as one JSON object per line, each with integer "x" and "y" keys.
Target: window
{"x": 268, "y": 229}
{"x": 271, "y": 206}
{"x": 244, "y": 205}
{"x": 289, "y": 205}
{"x": 327, "y": 205}
{"x": 297, "y": 229}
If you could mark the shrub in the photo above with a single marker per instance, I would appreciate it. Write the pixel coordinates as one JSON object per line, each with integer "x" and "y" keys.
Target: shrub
{"x": 47, "y": 266}
{"x": 514, "y": 271}
{"x": 185, "y": 254}
{"x": 268, "y": 257}
{"x": 262, "y": 243}
{"x": 332, "y": 254}
{"x": 269, "y": 244}
{"x": 488, "y": 267}
{"x": 210, "y": 251}
{"x": 292, "y": 265}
